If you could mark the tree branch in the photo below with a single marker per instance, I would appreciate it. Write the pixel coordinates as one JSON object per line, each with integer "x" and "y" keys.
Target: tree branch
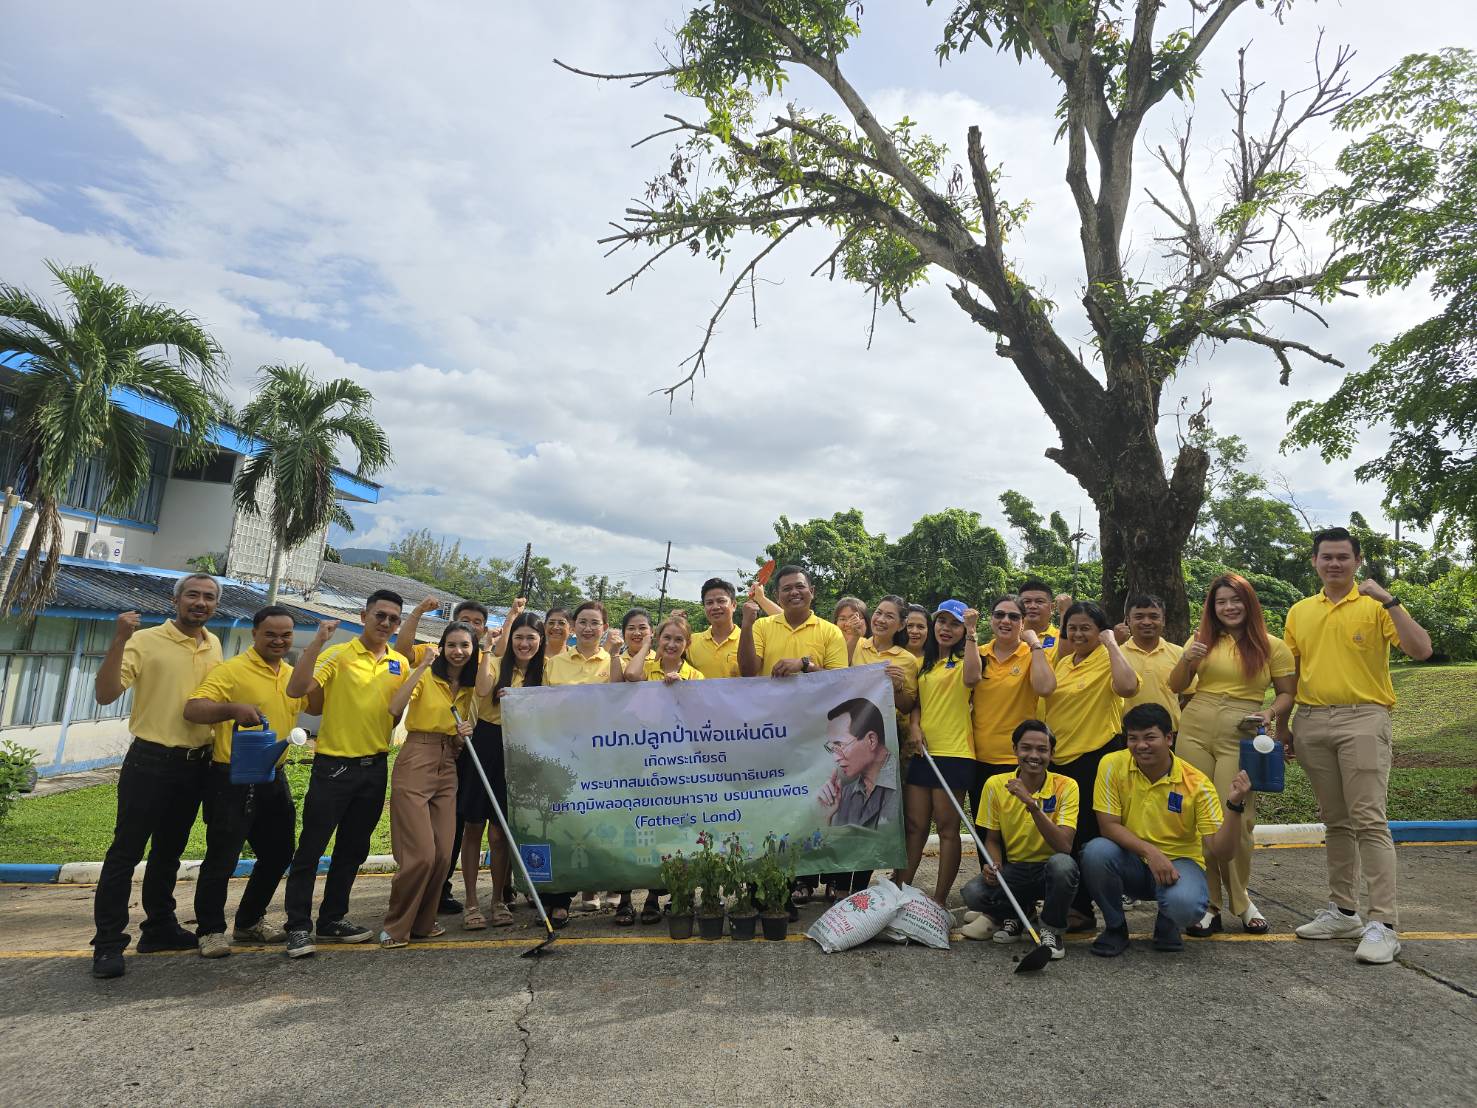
{"x": 636, "y": 79}
{"x": 1277, "y": 346}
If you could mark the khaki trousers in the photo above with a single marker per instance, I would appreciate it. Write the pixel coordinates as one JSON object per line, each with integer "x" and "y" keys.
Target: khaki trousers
{"x": 1345, "y": 751}
{"x": 422, "y": 826}
{"x": 1211, "y": 742}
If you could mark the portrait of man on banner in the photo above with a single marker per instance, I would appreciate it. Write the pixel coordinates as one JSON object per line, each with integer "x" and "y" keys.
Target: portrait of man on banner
{"x": 863, "y": 790}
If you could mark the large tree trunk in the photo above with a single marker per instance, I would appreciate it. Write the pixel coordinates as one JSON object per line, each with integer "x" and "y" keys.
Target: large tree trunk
{"x": 13, "y": 549}
{"x": 274, "y": 572}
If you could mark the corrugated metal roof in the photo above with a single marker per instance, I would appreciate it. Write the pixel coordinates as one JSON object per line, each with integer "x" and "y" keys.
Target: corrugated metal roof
{"x": 338, "y": 582}
{"x": 108, "y": 591}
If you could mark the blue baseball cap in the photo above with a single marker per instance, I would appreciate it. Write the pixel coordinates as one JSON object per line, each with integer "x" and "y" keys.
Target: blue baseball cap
{"x": 954, "y": 607}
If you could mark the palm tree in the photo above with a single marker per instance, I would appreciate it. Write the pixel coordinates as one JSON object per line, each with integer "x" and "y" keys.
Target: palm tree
{"x": 66, "y": 410}
{"x": 300, "y": 424}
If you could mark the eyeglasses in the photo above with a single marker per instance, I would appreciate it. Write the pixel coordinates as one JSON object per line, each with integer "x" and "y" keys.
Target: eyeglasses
{"x": 392, "y": 618}
{"x": 1014, "y": 617}
{"x": 839, "y": 746}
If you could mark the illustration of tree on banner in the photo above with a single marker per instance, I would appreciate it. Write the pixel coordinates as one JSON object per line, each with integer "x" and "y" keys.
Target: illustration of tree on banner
{"x": 897, "y": 208}
{"x": 536, "y": 783}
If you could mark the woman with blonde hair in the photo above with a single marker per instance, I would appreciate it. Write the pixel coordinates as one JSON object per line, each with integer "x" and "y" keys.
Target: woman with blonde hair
{"x": 1234, "y": 660}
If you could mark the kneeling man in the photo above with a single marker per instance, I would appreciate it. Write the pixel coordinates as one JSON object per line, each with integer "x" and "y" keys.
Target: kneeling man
{"x": 1159, "y": 818}
{"x": 1030, "y": 819}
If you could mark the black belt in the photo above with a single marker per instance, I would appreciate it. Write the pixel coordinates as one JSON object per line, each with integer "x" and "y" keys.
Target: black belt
{"x": 368, "y": 760}
{"x": 179, "y": 753}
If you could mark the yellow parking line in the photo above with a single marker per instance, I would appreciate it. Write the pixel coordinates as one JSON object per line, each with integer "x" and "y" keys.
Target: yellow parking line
{"x": 663, "y": 940}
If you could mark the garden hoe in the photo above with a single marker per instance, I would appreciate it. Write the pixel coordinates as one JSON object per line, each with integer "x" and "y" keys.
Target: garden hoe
{"x": 517, "y": 854}
{"x": 1041, "y": 954}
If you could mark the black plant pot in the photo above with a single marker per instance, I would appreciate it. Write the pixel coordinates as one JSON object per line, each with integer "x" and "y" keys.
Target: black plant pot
{"x": 679, "y": 927}
{"x": 741, "y": 928}
{"x": 776, "y": 927}
{"x": 710, "y": 927}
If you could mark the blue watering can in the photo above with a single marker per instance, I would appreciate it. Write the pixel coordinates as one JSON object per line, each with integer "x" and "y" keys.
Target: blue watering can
{"x": 1266, "y": 768}
{"x": 254, "y": 756}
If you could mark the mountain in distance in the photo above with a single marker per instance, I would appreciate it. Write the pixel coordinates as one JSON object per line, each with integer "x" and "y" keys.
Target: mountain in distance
{"x": 363, "y": 555}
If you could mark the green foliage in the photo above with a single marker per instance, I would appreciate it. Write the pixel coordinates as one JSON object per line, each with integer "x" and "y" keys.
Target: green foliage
{"x": 331, "y": 554}
{"x": 773, "y": 873}
{"x": 739, "y": 878}
{"x": 1447, "y": 609}
{"x": 214, "y": 564}
{"x": 17, "y": 764}
{"x": 1409, "y": 209}
{"x": 679, "y": 881}
{"x": 709, "y": 872}
{"x": 1045, "y": 545}
{"x": 1275, "y": 594}
{"x": 1241, "y": 527}
{"x": 840, "y": 555}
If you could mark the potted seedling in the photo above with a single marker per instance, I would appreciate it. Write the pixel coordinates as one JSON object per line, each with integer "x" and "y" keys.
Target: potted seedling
{"x": 772, "y": 873}
{"x": 677, "y": 877}
{"x": 708, "y": 876}
{"x": 743, "y": 916}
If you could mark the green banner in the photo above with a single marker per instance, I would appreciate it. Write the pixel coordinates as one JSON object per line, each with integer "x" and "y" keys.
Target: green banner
{"x": 605, "y": 779}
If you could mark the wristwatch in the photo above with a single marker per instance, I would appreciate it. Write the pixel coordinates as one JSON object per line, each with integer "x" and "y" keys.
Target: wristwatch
{"x": 1237, "y": 808}
{"x": 805, "y": 664}
{"x": 1393, "y": 602}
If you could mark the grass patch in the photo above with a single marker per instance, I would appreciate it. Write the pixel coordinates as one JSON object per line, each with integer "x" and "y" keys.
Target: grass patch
{"x": 1415, "y": 794}
{"x": 1435, "y": 716}
{"x": 77, "y": 826}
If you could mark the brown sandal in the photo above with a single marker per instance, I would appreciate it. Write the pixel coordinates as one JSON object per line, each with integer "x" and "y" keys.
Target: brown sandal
{"x": 473, "y": 919}
{"x": 501, "y": 917}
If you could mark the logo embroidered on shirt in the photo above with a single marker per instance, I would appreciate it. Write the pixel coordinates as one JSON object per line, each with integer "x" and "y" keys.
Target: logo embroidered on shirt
{"x": 394, "y": 667}
{"x": 1049, "y": 804}
{"x": 1176, "y": 802}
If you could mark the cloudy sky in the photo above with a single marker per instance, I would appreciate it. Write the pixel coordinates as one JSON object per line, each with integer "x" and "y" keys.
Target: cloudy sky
{"x": 411, "y": 197}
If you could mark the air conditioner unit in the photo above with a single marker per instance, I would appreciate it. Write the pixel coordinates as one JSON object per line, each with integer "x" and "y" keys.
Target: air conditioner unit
{"x": 98, "y": 548}
{"x": 79, "y": 544}
{"x": 115, "y": 549}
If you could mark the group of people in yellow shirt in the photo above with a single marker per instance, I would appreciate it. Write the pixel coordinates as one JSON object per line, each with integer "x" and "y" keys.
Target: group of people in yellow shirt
{"x": 1020, "y": 726}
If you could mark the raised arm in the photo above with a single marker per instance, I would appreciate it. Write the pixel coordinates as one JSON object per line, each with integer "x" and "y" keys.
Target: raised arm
{"x": 766, "y": 605}
{"x": 500, "y": 647}
{"x": 302, "y": 682}
{"x": 109, "y": 685}
{"x": 486, "y": 675}
{"x": 1125, "y": 680}
{"x": 1043, "y": 677}
{"x": 405, "y": 640}
{"x": 1183, "y": 674}
{"x": 401, "y": 696}
{"x": 1415, "y": 643}
{"x": 972, "y": 666}
{"x": 748, "y": 656}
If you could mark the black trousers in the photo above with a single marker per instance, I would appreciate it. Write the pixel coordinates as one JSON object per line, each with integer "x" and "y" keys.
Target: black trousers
{"x": 159, "y": 794}
{"x": 1083, "y": 770}
{"x": 346, "y": 797}
{"x": 235, "y": 815}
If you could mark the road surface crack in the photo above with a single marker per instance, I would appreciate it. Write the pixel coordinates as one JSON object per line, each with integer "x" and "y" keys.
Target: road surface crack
{"x": 1436, "y": 977}
{"x": 525, "y": 1035}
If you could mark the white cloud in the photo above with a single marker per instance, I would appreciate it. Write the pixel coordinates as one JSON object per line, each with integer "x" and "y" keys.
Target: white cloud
{"x": 415, "y": 202}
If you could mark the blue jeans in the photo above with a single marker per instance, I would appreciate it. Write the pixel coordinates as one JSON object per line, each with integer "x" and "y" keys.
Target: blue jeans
{"x": 1054, "y": 882}
{"x": 1109, "y": 871}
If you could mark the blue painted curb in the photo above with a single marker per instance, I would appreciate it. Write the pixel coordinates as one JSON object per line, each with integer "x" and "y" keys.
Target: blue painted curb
{"x": 1434, "y": 831}
{"x": 27, "y": 874}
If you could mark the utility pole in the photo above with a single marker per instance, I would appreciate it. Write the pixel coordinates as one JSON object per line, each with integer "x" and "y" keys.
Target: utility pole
{"x": 665, "y": 568}
{"x": 1397, "y": 546}
{"x": 1076, "y": 538}
{"x": 523, "y": 573}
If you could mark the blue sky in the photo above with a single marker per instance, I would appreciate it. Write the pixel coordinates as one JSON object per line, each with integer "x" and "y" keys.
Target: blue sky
{"x": 414, "y": 202}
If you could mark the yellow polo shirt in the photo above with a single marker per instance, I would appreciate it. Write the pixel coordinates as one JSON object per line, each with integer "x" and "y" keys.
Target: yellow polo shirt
{"x": 1003, "y": 698}
{"x": 163, "y": 666}
{"x": 1084, "y": 713}
{"x": 1154, "y": 667}
{"x": 1174, "y": 813}
{"x": 1343, "y": 649}
{"x": 573, "y": 668}
{"x": 248, "y": 678}
{"x": 431, "y": 703}
{"x": 866, "y": 654}
{"x": 1220, "y": 671}
{"x": 1059, "y": 800}
{"x": 489, "y": 708}
{"x": 687, "y": 671}
{"x": 357, "y": 688}
{"x": 943, "y": 709}
{"x": 715, "y": 659}
{"x": 774, "y": 639}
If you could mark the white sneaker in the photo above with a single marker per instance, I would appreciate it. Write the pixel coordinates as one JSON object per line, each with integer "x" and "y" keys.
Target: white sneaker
{"x": 1330, "y": 923}
{"x": 970, "y": 917}
{"x": 979, "y": 928}
{"x": 216, "y": 945}
{"x": 1379, "y": 945}
{"x": 260, "y": 932}
{"x": 1051, "y": 937}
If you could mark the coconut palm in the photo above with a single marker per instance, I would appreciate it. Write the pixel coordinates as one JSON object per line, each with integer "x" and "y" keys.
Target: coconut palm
{"x": 76, "y": 366}
{"x": 301, "y": 424}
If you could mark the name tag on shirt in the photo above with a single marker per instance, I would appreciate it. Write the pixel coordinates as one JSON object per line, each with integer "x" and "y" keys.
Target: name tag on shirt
{"x": 1049, "y": 804}
{"x": 1176, "y": 802}
{"x": 394, "y": 667}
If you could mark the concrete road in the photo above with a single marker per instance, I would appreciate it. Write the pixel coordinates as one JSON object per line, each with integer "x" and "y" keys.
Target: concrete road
{"x": 625, "y": 1016}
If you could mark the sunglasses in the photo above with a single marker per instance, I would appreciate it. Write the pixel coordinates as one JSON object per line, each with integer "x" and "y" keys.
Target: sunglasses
{"x": 1014, "y": 617}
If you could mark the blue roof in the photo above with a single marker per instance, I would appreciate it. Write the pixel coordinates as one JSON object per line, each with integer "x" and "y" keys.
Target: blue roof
{"x": 222, "y": 435}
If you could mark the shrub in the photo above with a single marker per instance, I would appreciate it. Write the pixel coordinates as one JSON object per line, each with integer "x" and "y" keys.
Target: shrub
{"x": 17, "y": 774}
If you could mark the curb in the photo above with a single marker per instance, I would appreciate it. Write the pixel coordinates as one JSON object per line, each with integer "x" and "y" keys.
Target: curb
{"x": 1272, "y": 834}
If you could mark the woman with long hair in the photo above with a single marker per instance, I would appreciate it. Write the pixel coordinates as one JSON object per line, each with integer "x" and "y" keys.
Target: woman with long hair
{"x": 915, "y": 629}
{"x": 1234, "y": 660}
{"x": 940, "y": 724}
{"x": 424, "y": 781}
{"x": 522, "y": 665}
{"x": 1085, "y": 712}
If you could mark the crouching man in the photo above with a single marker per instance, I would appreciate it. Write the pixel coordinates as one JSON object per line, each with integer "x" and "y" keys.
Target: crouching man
{"x": 1159, "y": 818}
{"x": 1029, "y": 818}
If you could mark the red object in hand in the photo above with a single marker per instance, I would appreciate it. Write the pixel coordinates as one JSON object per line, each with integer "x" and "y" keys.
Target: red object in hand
{"x": 766, "y": 571}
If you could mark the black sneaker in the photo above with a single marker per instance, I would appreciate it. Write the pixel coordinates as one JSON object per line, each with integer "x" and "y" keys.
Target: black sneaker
{"x": 107, "y": 964}
{"x": 449, "y": 905}
{"x": 342, "y": 931}
{"x": 1167, "y": 937}
{"x": 300, "y": 944}
{"x": 1112, "y": 942}
{"x": 1010, "y": 932}
{"x": 178, "y": 939}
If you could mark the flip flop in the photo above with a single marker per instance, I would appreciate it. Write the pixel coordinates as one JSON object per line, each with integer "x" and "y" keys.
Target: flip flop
{"x": 1253, "y": 922}
{"x": 625, "y": 916}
